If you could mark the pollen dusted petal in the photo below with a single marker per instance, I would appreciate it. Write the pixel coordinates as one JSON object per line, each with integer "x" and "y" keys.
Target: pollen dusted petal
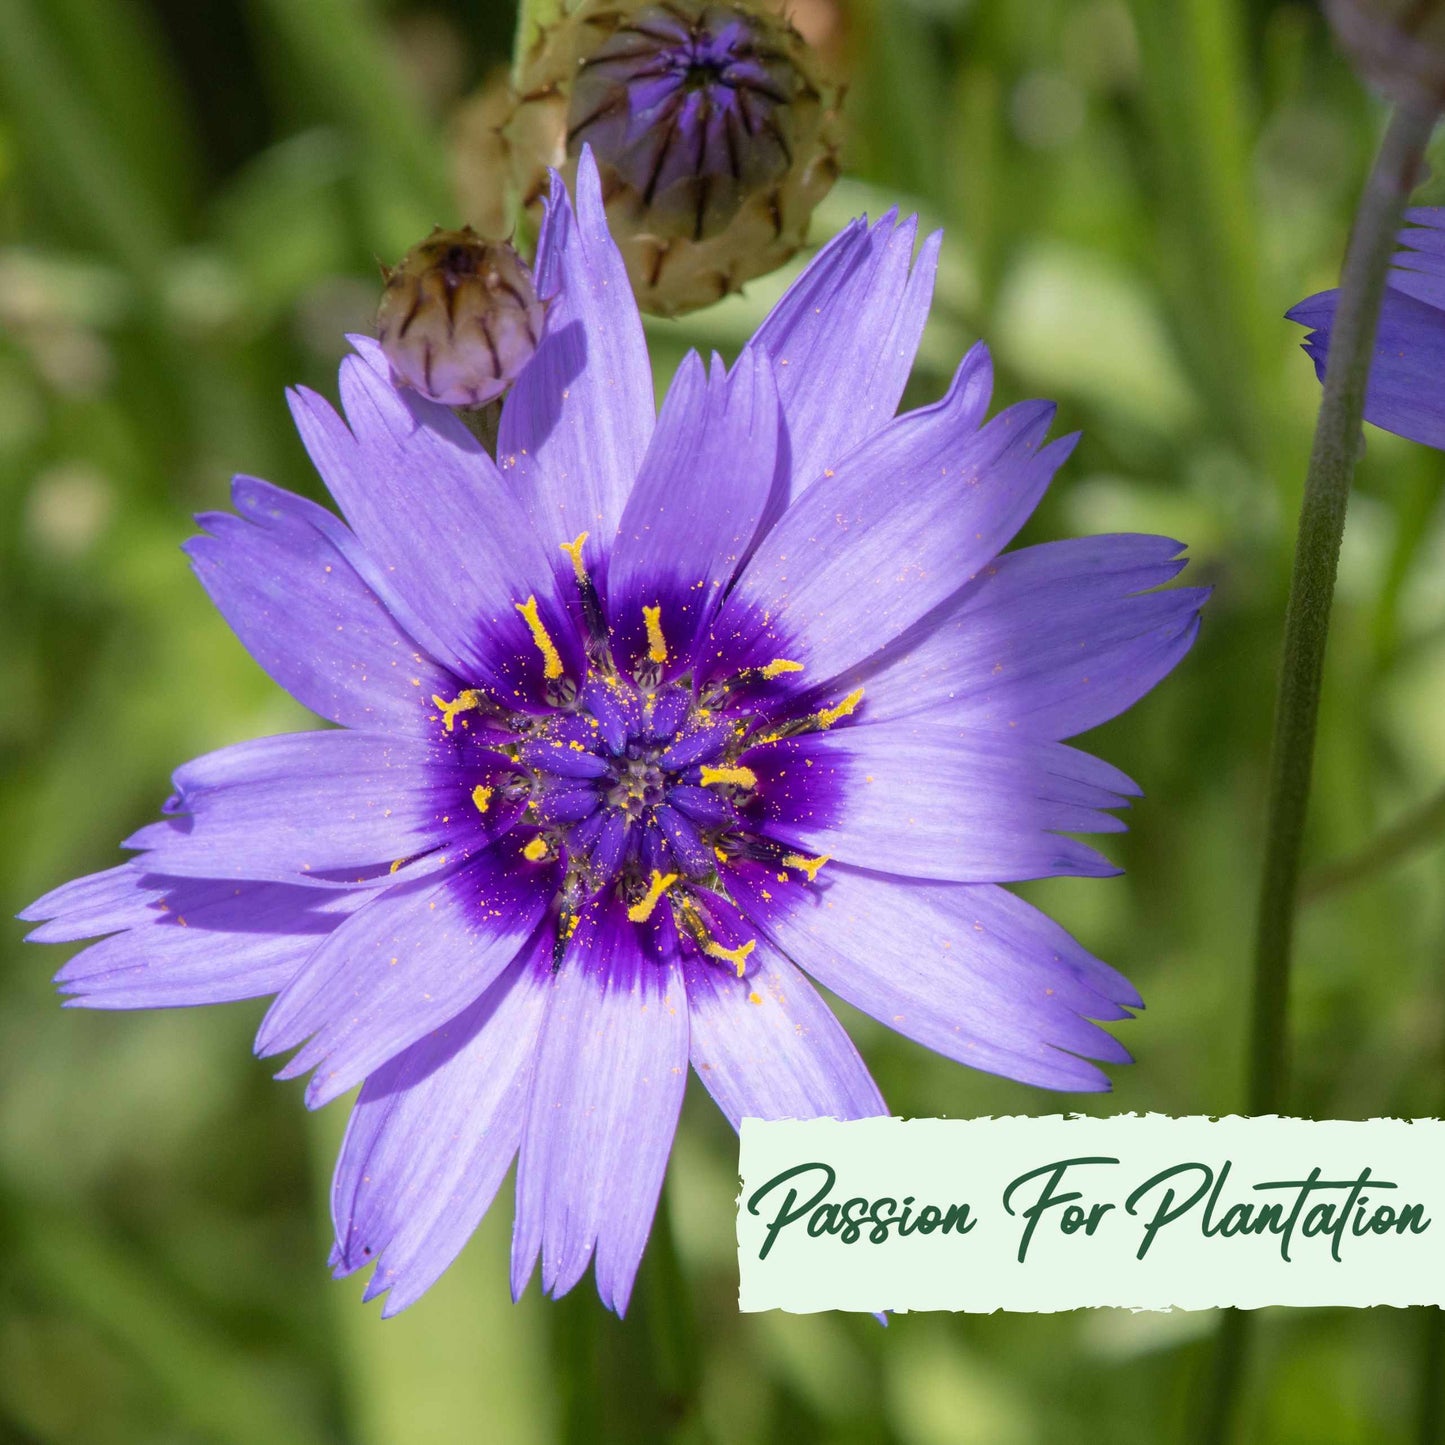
{"x": 307, "y": 617}
{"x": 605, "y": 1099}
{"x": 577, "y": 422}
{"x": 409, "y": 961}
{"x": 768, "y": 1047}
{"x": 207, "y": 942}
{"x": 844, "y": 337}
{"x": 973, "y": 973}
{"x": 1049, "y": 641}
{"x": 854, "y": 561}
{"x": 433, "y": 1134}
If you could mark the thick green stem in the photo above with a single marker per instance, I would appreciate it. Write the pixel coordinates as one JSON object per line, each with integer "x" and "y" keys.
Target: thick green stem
{"x": 1307, "y": 621}
{"x": 1312, "y": 586}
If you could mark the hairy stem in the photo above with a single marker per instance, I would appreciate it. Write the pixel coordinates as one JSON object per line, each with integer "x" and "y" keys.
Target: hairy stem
{"x": 1306, "y": 628}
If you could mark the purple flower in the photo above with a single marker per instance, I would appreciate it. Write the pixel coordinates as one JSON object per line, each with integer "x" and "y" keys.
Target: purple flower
{"x": 1404, "y": 394}
{"x": 638, "y": 726}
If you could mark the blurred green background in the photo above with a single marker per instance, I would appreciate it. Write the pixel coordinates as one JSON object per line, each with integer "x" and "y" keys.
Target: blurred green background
{"x": 193, "y": 198}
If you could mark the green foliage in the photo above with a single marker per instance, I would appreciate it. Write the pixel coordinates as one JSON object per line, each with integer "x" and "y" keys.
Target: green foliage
{"x": 192, "y": 203}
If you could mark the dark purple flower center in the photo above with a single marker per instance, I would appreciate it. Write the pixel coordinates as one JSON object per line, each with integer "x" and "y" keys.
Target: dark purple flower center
{"x": 687, "y": 103}
{"x": 645, "y": 784}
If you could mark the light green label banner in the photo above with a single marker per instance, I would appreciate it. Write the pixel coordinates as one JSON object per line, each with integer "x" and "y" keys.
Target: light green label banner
{"x": 1057, "y": 1213}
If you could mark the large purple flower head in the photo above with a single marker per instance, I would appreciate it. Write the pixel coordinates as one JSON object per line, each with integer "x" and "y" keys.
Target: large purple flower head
{"x": 1405, "y": 394}
{"x": 637, "y": 726}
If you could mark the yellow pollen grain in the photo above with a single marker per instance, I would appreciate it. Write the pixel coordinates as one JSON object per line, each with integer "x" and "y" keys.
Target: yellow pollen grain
{"x": 830, "y": 715}
{"x": 779, "y": 665}
{"x": 551, "y": 658}
{"x": 462, "y": 702}
{"x": 656, "y": 642}
{"x": 536, "y": 850}
{"x": 743, "y": 777}
{"x": 482, "y": 797}
{"x": 574, "y": 551}
{"x": 641, "y": 911}
{"x": 755, "y": 998}
{"x": 809, "y": 866}
{"x": 738, "y": 957}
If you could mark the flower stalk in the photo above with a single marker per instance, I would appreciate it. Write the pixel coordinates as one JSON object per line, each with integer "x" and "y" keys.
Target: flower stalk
{"x": 1312, "y": 584}
{"x": 1336, "y": 448}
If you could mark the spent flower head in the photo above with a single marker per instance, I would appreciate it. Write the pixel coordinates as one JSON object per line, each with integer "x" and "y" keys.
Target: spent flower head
{"x": 637, "y": 727}
{"x": 713, "y": 128}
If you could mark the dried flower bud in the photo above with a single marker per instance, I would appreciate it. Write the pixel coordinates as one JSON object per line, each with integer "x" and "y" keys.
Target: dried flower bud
{"x": 460, "y": 318}
{"x": 1397, "y": 44}
{"x": 714, "y": 134}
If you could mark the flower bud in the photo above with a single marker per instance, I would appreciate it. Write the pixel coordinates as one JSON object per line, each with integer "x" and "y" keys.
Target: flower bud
{"x": 1399, "y": 45}
{"x": 460, "y": 318}
{"x": 714, "y": 134}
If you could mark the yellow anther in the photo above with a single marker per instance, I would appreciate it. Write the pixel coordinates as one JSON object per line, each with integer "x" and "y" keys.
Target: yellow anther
{"x": 536, "y": 850}
{"x": 551, "y": 658}
{"x": 738, "y": 957}
{"x": 397, "y": 864}
{"x": 482, "y": 797}
{"x": 462, "y": 702}
{"x": 641, "y": 911}
{"x": 779, "y": 665}
{"x": 830, "y": 715}
{"x": 743, "y": 777}
{"x": 656, "y": 642}
{"x": 809, "y": 866}
{"x": 720, "y": 854}
{"x": 574, "y": 551}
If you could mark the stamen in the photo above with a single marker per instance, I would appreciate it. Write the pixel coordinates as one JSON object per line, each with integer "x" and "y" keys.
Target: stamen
{"x": 656, "y": 643}
{"x": 743, "y": 777}
{"x": 574, "y": 551}
{"x": 394, "y": 866}
{"x": 463, "y": 702}
{"x": 830, "y": 715}
{"x": 779, "y": 665}
{"x": 738, "y": 957}
{"x": 482, "y": 797}
{"x": 536, "y": 850}
{"x": 551, "y": 658}
{"x": 641, "y": 911}
{"x": 810, "y": 866}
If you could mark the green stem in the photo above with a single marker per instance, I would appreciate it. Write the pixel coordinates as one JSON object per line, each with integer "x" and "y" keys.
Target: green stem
{"x": 1416, "y": 830}
{"x": 1307, "y": 621}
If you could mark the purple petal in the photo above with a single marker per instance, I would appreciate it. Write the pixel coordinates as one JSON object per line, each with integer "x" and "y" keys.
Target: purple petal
{"x": 285, "y": 807}
{"x": 768, "y": 1047}
{"x": 696, "y": 507}
{"x": 304, "y": 614}
{"x": 433, "y": 1134}
{"x": 575, "y": 427}
{"x": 907, "y": 519}
{"x": 427, "y": 502}
{"x": 120, "y": 897}
{"x": 1048, "y": 642}
{"x": 407, "y": 963}
{"x": 207, "y": 942}
{"x": 929, "y": 801}
{"x": 604, "y": 1106}
{"x": 971, "y": 972}
{"x": 1404, "y": 395}
{"x": 844, "y": 336}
